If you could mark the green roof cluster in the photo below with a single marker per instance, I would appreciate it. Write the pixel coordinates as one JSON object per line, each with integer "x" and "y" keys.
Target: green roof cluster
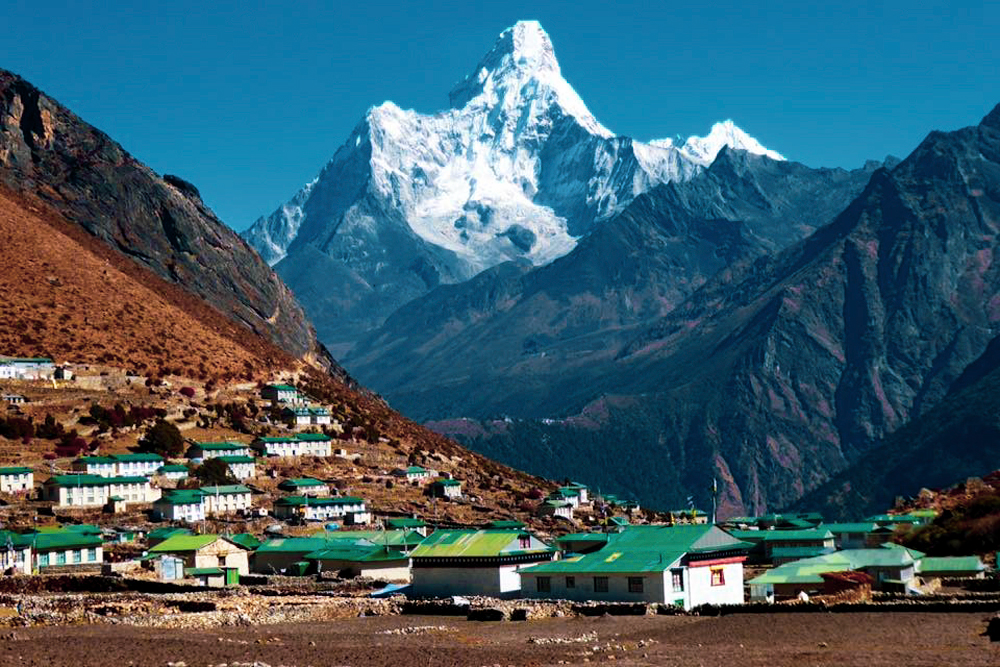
{"x": 486, "y": 542}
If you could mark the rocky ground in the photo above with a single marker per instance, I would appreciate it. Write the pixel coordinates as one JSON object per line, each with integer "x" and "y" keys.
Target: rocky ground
{"x": 773, "y": 640}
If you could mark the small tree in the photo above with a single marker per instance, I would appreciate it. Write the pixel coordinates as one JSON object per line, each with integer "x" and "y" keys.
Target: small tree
{"x": 214, "y": 472}
{"x": 164, "y": 439}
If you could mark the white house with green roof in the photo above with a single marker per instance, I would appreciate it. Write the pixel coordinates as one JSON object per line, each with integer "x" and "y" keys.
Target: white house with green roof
{"x": 475, "y": 562}
{"x": 16, "y": 480}
{"x": 309, "y": 508}
{"x": 241, "y": 467}
{"x": 302, "y": 444}
{"x": 557, "y": 508}
{"x": 66, "y": 548}
{"x": 446, "y": 488}
{"x": 413, "y": 473}
{"x": 174, "y": 472}
{"x": 305, "y": 486}
{"x": 82, "y": 490}
{"x": 15, "y": 552}
{"x": 142, "y": 463}
{"x": 104, "y": 466}
{"x": 209, "y": 450}
{"x": 226, "y": 499}
{"x": 685, "y": 566}
{"x": 280, "y": 393}
{"x": 181, "y": 505}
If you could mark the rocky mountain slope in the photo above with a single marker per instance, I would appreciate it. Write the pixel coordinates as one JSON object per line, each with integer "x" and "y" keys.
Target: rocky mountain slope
{"x": 957, "y": 439}
{"x": 49, "y": 153}
{"x": 493, "y": 344}
{"x": 776, "y": 374}
{"x": 516, "y": 169}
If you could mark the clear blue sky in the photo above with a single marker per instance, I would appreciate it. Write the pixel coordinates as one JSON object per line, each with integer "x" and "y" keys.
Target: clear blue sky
{"x": 249, "y": 100}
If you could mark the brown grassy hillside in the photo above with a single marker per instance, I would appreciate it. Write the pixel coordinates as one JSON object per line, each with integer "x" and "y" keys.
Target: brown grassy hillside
{"x": 70, "y": 297}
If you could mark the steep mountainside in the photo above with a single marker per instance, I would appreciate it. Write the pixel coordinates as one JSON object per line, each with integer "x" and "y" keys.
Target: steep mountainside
{"x": 776, "y": 374}
{"x": 957, "y": 439}
{"x": 516, "y": 169}
{"x": 70, "y": 297}
{"x": 48, "y": 152}
{"x": 481, "y": 348}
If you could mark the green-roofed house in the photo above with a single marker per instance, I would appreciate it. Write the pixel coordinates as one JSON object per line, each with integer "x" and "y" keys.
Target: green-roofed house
{"x": 186, "y": 505}
{"x": 554, "y": 507}
{"x": 130, "y": 465}
{"x": 305, "y": 486}
{"x": 851, "y": 535}
{"x": 205, "y": 551}
{"x": 357, "y": 560}
{"x": 171, "y": 471}
{"x": 280, "y": 393}
{"x": 15, "y": 552}
{"x": 246, "y": 540}
{"x": 103, "y": 466}
{"x": 302, "y": 444}
{"x": 17, "y": 481}
{"x": 475, "y": 562}
{"x": 81, "y": 490}
{"x": 226, "y": 499}
{"x": 158, "y": 535}
{"x": 582, "y": 543}
{"x": 201, "y": 451}
{"x": 309, "y": 508}
{"x": 287, "y": 555}
{"x": 685, "y": 566}
{"x": 407, "y": 523}
{"x": 818, "y": 540}
{"x": 890, "y": 569}
{"x": 446, "y": 488}
{"x": 241, "y": 467}
{"x": 952, "y": 567}
{"x": 63, "y": 547}
{"x": 413, "y": 473}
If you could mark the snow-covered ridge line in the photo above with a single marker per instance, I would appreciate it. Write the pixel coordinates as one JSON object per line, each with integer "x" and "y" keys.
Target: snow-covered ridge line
{"x": 516, "y": 168}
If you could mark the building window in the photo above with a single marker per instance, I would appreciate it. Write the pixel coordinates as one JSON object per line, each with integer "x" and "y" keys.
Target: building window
{"x": 600, "y": 584}
{"x": 43, "y": 560}
{"x": 524, "y": 542}
{"x": 543, "y": 584}
{"x": 718, "y": 577}
{"x": 92, "y": 555}
{"x": 61, "y": 558}
{"x": 677, "y": 578}
{"x": 635, "y": 584}
{"x": 570, "y": 582}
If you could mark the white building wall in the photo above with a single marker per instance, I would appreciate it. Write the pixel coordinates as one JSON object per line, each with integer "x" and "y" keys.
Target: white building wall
{"x": 701, "y": 591}
{"x": 584, "y": 587}
{"x": 17, "y": 483}
{"x": 446, "y": 581}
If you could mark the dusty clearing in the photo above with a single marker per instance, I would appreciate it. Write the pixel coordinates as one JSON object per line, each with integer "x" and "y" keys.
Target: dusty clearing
{"x": 771, "y": 640}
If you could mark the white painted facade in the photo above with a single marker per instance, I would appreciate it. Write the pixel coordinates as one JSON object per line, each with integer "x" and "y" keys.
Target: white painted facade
{"x": 16, "y": 481}
{"x": 191, "y": 512}
{"x": 67, "y": 557}
{"x": 129, "y": 489}
{"x": 496, "y": 581}
{"x": 227, "y": 502}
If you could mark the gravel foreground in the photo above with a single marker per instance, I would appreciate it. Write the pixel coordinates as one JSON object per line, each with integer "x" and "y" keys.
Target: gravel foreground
{"x": 771, "y": 640}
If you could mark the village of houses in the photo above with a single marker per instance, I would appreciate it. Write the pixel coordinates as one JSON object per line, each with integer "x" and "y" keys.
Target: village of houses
{"x": 140, "y": 515}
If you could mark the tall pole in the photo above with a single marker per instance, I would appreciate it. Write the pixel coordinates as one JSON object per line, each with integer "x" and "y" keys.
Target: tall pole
{"x": 715, "y": 493}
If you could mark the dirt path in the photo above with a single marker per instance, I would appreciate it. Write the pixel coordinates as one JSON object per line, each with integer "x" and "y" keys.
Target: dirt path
{"x": 771, "y": 640}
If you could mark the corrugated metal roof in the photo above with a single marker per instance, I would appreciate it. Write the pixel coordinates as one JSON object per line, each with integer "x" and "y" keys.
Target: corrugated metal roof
{"x": 472, "y": 543}
{"x": 179, "y": 543}
{"x": 933, "y": 564}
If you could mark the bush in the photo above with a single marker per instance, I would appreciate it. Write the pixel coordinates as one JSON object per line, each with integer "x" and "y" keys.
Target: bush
{"x": 187, "y": 392}
{"x": 164, "y": 439}
{"x": 214, "y": 472}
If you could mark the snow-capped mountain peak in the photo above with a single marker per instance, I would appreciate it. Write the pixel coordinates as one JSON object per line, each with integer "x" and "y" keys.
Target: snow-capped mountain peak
{"x": 521, "y": 68}
{"x": 704, "y": 149}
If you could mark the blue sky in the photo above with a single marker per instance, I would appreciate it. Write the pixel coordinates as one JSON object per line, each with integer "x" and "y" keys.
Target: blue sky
{"x": 249, "y": 100}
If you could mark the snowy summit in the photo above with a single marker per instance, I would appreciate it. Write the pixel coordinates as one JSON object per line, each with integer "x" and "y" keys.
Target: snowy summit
{"x": 516, "y": 168}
